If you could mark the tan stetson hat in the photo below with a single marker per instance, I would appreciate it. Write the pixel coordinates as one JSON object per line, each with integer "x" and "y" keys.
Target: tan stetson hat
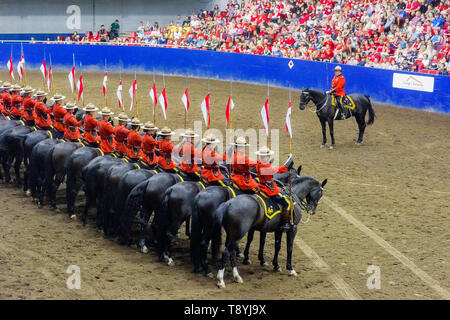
{"x": 189, "y": 133}
{"x": 210, "y": 138}
{"x": 40, "y": 93}
{"x": 149, "y": 126}
{"x": 165, "y": 132}
{"x": 337, "y": 68}
{"x": 264, "y": 151}
{"x": 70, "y": 106}
{"x": 122, "y": 117}
{"x": 90, "y": 107}
{"x": 136, "y": 122}
{"x": 241, "y": 142}
{"x": 28, "y": 89}
{"x": 58, "y": 97}
{"x": 16, "y": 87}
{"x": 6, "y": 85}
{"x": 106, "y": 112}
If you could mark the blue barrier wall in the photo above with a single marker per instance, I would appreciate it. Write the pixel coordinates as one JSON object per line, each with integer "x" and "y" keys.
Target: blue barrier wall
{"x": 376, "y": 83}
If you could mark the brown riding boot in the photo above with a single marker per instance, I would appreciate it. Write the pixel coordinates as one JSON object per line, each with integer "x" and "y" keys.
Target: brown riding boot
{"x": 286, "y": 224}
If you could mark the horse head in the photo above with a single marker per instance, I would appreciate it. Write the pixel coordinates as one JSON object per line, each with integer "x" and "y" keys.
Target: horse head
{"x": 309, "y": 190}
{"x": 305, "y": 98}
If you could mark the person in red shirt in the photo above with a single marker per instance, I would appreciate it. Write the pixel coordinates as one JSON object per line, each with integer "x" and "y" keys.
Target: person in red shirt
{"x": 211, "y": 160}
{"x": 121, "y": 134}
{"x": 265, "y": 172}
{"x": 16, "y": 103}
{"x": 58, "y": 113}
{"x": 41, "y": 112}
{"x": 134, "y": 140}
{"x": 71, "y": 124}
{"x": 189, "y": 156}
{"x": 106, "y": 131}
{"x": 149, "y": 144}
{"x": 165, "y": 161}
{"x": 337, "y": 88}
{"x": 28, "y": 106}
{"x": 90, "y": 126}
{"x": 6, "y": 100}
{"x": 241, "y": 165}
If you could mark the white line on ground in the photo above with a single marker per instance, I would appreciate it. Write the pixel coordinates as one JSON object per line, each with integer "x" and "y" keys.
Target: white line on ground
{"x": 383, "y": 186}
{"x": 341, "y": 286}
{"x": 394, "y": 252}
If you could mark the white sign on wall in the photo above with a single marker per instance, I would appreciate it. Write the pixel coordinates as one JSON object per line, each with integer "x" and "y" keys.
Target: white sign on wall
{"x": 413, "y": 82}
{"x": 73, "y": 22}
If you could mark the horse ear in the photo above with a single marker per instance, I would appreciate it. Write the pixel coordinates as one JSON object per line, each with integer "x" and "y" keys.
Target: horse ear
{"x": 324, "y": 182}
{"x": 299, "y": 169}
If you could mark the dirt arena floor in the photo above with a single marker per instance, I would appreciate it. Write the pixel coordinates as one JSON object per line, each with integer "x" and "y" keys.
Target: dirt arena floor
{"x": 386, "y": 204}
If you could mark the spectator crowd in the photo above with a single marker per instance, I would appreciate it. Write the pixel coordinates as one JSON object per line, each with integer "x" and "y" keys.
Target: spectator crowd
{"x": 410, "y": 35}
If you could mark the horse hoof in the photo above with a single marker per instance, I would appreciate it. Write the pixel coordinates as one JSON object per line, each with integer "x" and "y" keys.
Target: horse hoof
{"x": 101, "y": 232}
{"x": 277, "y": 269}
{"x": 292, "y": 273}
{"x": 28, "y": 193}
{"x": 263, "y": 264}
{"x": 144, "y": 249}
{"x": 241, "y": 255}
{"x": 73, "y": 217}
{"x": 210, "y": 275}
{"x": 358, "y": 143}
{"x": 170, "y": 262}
{"x": 331, "y": 147}
{"x": 247, "y": 262}
{"x": 323, "y": 145}
{"x": 221, "y": 284}
{"x": 238, "y": 279}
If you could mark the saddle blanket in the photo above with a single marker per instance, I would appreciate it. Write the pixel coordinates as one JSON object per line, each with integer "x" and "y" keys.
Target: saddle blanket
{"x": 346, "y": 102}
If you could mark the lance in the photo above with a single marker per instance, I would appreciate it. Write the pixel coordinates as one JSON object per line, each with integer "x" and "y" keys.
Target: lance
{"x": 10, "y": 74}
{"x": 51, "y": 77}
{"x": 106, "y": 92}
{"x": 154, "y": 101}
{"x": 268, "y": 129}
{"x": 74, "y": 79}
{"x": 136, "y": 97}
{"x": 23, "y": 66}
{"x": 164, "y": 85}
{"x": 81, "y": 71}
{"x": 290, "y": 175}
{"x": 185, "y": 111}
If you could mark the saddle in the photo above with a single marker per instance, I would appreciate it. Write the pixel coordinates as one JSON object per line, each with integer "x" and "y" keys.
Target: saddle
{"x": 271, "y": 208}
{"x": 346, "y": 102}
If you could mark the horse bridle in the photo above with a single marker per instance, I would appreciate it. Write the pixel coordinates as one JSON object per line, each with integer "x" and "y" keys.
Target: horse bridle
{"x": 320, "y": 109}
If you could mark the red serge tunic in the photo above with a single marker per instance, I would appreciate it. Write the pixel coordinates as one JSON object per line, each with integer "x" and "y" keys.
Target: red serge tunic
{"x": 265, "y": 173}
{"x": 241, "y": 172}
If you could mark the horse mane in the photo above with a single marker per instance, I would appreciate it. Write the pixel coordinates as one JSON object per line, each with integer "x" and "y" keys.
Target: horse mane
{"x": 305, "y": 178}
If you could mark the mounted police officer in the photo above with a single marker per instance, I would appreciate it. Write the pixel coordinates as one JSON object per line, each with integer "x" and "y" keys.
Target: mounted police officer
{"x": 121, "y": 134}
{"x": 265, "y": 172}
{"x": 337, "y": 89}
{"x": 165, "y": 161}
{"x": 211, "y": 160}
{"x": 189, "y": 156}
{"x": 106, "y": 131}
{"x": 59, "y": 113}
{"x": 241, "y": 165}
{"x": 90, "y": 126}
{"x": 149, "y": 143}
{"x": 71, "y": 124}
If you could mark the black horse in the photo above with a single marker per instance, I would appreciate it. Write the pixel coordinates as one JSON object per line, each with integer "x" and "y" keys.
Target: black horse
{"x": 126, "y": 185}
{"x": 326, "y": 112}
{"x": 37, "y": 165}
{"x": 77, "y": 161}
{"x": 245, "y": 212}
{"x": 203, "y": 218}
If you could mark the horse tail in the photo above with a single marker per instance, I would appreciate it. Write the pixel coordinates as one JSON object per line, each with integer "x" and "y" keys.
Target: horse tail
{"x": 70, "y": 186}
{"x": 216, "y": 242}
{"x": 49, "y": 171}
{"x": 371, "y": 112}
{"x": 163, "y": 220}
{"x": 130, "y": 209}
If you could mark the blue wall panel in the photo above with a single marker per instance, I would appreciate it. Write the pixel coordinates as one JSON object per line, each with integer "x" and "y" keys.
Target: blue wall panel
{"x": 376, "y": 83}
